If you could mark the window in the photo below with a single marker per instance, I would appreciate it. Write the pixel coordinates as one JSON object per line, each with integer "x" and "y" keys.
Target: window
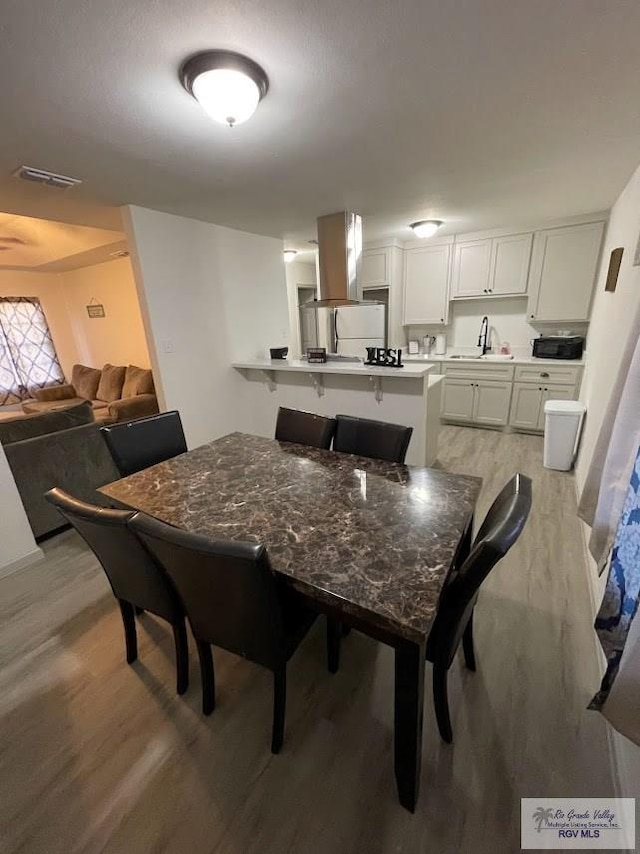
{"x": 28, "y": 359}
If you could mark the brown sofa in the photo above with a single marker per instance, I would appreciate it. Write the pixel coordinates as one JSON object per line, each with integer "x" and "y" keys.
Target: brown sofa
{"x": 116, "y": 393}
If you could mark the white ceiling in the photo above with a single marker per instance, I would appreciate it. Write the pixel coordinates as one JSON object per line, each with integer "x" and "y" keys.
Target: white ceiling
{"x": 39, "y": 245}
{"x": 479, "y": 112}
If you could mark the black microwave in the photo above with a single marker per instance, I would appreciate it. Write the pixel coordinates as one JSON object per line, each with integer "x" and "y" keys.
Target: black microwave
{"x": 558, "y": 347}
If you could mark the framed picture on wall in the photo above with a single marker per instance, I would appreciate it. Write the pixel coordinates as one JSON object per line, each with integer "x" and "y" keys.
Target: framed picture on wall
{"x": 614, "y": 268}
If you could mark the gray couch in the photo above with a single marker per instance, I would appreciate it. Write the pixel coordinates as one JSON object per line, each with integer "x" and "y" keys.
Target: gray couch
{"x": 61, "y": 448}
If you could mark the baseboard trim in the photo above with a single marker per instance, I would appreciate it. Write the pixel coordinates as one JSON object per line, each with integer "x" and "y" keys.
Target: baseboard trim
{"x": 23, "y": 562}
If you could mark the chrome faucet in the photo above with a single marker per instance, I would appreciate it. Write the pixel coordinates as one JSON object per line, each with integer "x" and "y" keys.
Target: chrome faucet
{"x": 484, "y": 335}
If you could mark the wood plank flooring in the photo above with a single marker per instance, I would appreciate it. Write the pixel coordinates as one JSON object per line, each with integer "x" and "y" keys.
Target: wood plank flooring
{"x": 97, "y": 756}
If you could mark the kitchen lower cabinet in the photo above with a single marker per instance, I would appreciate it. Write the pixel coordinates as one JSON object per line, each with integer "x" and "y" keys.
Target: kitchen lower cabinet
{"x": 491, "y": 403}
{"x": 458, "y": 399}
{"x": 527, "y": 406}
{"x": 484, "y": 402}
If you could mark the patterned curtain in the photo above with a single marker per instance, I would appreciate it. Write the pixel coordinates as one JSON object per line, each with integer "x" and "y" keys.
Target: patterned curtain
{"x": 28, "y": 358}
{"x": 622, "y": 593}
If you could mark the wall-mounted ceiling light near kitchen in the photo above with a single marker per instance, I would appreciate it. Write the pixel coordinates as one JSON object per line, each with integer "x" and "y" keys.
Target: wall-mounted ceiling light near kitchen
{"x": 228, "y": 86}
{"x": 289, "y": 255}
{"x": 426, "y": 227}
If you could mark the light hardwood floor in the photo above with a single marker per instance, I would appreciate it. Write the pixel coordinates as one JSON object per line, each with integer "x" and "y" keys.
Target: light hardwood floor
{"x": 96, "y": 756}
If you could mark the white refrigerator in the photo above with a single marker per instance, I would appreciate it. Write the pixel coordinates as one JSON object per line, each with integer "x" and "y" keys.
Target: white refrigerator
{"x": 357, "y": 327}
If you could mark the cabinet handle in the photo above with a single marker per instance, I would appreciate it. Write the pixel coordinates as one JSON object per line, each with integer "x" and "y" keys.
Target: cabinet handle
{"x": 532, "y": 316}
{"x": 544, "y": 374}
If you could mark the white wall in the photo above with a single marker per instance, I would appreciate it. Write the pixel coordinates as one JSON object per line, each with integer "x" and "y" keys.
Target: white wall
{"x": 17, "y": 545}
{"x": 297, "y": 273}
{"x": 507, "y": 320}
{"x": 47, "y": 287}
{"x": 209, "y": 295}
{"x": 611, "y": 318}
{"x": 118, "y": 337}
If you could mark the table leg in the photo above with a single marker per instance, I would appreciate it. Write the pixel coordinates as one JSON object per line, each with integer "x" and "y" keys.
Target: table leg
{"x": 409, "y": 704}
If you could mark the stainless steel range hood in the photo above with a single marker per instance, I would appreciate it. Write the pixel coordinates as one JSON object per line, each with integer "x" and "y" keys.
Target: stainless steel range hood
{"x": 339, "y": 259}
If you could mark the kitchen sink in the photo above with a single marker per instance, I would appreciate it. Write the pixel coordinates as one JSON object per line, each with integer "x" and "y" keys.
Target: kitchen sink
{"x": 497, "y": 357}
{"x": 489, "y": 357}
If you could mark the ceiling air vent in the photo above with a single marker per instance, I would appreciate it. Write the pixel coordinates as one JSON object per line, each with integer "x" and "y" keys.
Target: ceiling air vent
{"x": 41, "y": 176}
{"x": 119, "y": 253}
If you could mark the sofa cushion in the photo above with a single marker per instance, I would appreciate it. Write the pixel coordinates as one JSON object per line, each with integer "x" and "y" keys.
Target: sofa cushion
{"x": 111, "y": 382}
{"x": 85, "y": 381}
{"x": 99, "y": 404}
{"x": 34, "y": 406}
{"x": 137, "y": 381}
{"x": 28, "y": 426}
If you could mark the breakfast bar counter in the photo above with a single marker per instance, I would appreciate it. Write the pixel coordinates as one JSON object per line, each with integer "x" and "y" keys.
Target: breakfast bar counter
{"x": 409, "y": 395}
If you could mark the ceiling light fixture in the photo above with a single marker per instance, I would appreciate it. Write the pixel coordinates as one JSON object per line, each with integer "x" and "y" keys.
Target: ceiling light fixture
{"x": 289, "y": 255}
{"x": 426, "y": 227}
{"x": 228, "y": 86}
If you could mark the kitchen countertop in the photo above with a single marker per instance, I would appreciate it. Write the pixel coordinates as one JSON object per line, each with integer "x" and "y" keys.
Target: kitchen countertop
{"x": 517, "y": 360}
{"x": 417, "y": 370}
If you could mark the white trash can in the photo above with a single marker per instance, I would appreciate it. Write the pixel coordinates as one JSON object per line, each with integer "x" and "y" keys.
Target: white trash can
{"x": 562, "y": 421}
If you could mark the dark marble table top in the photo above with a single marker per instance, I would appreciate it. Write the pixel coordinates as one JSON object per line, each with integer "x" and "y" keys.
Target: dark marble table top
{"x": 374, "y": 538}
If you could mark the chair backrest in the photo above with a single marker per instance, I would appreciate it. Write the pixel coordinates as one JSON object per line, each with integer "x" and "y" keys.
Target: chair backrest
{"x": 305, "y": 428}
{"x": 368, "y": 438}
{"x": 136, "y": 445}
{"x": 228, "y": 589}
{"x": 500, "y": 529}
{"x": 132, "y": 572}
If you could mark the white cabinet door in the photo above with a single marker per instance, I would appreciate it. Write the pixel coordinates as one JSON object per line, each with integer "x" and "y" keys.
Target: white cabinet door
{"x": 376, "y": 267}
{"x": 563, "y": 269}
{"x": 554, "y": 392}
{"x": 472, "y": 260}
{"x": 426, "y": 285}
{"x": 526, "y": 405}
{"x": 510, "y": 257}
{"x": 457, "y": 399}
{"x": 491, "y": 402}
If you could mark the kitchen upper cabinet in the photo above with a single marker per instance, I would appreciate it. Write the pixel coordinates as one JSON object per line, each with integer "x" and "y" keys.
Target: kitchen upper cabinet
{"x": 426, "y": 285}
{"x": 376, "y": 267}
{"x": 458, "y": 399}
{"x": 496, "y": 266}
{"x": 491, "y": 402}
{"x": 563, "y": 269}
{"x": 510, "y": 258}
{"x": 471, "y": 266}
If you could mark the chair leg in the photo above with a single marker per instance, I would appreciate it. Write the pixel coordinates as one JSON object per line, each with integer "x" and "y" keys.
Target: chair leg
{"x": 467, "y": 645}
{"x": 182, "y": 656}
{"x": 441, "y": 702}
{"x": 208, "y": 677}
{"x": 279, "y": 707}
{"x": 129, "y": 622}
{"x": 334, "y": 636}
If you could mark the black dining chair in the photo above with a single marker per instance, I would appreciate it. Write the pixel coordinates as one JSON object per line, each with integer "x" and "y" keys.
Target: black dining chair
{"x": 138, "y": 583}
{"x": 368, "y": 438}
{"x": 232, "y": 600}
{"x": 304, "y": 428}
{"x": 453, "y": 622}
{"x": 136, "y": 445}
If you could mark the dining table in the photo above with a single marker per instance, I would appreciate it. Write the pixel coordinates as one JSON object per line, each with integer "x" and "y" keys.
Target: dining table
{"x": 367, "y": 542}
